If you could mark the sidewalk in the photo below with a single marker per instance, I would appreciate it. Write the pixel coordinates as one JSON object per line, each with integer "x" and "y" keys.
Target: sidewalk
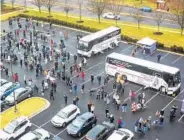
{"x": 29, "y": 107}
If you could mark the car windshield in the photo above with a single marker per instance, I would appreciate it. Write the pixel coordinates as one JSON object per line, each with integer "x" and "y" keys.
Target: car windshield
{"x": 62, "y": 114}
{"x": 12, "y": 94}
{"x": 83, "y": 47}
{"x": 10, "y": 127}
{"x": 77, "y": 123}
{"x": 38, "y": 135}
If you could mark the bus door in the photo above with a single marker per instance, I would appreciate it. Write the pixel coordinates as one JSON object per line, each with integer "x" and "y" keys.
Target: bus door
{"x": 156, "y": 83}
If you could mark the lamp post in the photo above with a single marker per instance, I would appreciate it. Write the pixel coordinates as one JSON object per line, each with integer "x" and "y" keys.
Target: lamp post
{"x": 15, "y": 102}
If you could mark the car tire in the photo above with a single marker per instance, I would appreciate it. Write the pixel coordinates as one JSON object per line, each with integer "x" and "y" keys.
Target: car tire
{"x": 161, "y": 90}
{"x": 79, "y": 134}
{"x": 27, "y": 129}
{"x": 64, "y": 124}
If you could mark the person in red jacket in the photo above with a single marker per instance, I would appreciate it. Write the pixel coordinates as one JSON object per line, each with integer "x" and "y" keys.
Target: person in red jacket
{"x": 82, "y": 75}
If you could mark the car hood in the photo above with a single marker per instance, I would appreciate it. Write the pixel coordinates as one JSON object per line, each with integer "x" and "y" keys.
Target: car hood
{"x": 28, "y": 136}
{"x": 42, "y": 131}
{"x": 3, "y": 135}
{"x": 9, "y": 99}
{"x": 72, "y": 128}
{"x": 58, "y": 119}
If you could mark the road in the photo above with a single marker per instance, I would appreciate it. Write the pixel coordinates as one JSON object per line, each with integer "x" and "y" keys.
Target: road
{"x": 95, "y": 66}
{"x": 125, "y": 15}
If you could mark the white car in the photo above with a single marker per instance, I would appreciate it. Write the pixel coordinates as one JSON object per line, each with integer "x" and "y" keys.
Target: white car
{"x": 3, "y": 81}
{"x": 121, "y": 134}
{"x": 66, "y": 115}
{"x": 38, "y": 134}
{"x": 110, "y": 15}
{"x": 15, "y": 128}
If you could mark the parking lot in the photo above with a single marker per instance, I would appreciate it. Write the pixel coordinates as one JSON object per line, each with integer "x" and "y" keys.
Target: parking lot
{"x": 96, "y": 65}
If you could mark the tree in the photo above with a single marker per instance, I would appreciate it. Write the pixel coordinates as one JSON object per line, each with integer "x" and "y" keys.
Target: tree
{"x": 80, "y": 2}
{"x": 67, "y": 8}
{"x": 97, "y": 7}
{"x": 49, "y": 4}
{"x": 38, "y": 3}
{"x": 12, "y": 2}
{"x": 137, "y": 14}
{"x": 158, "y": 17}
{"x": 115, "y": 6}
{"x": 178, "y": 7}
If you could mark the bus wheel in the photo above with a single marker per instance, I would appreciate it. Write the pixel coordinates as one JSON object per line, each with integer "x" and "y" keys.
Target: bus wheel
{"x": 162, "y": 90}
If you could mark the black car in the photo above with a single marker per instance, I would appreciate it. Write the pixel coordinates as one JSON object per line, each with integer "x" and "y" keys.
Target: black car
{"x": 100, "y": 131}
{"x": 82, "y": 124}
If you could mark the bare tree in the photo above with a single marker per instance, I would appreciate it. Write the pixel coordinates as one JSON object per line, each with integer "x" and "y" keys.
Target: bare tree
{"x": 67, "y": 8}
{"x": 115, "y": 6}
{"x": 137, "y": 14}
{"x": 12, "y": 2}
{"x": 158, "y": 17}
{"x": 178, "y": 7}
{"x": 38, "y": 3}
{"x": 80, "y": 2}
{"x": 49, "y": 4}
{"x": 97, "y": 7}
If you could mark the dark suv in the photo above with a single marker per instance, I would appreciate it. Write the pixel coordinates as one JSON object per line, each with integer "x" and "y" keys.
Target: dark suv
{"x": 100, "y": 131}
{"x": 82, "y": 124}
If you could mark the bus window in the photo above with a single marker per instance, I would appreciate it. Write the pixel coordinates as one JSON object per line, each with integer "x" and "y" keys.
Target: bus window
{"x": 176, "y": 79}
{"x": 83, "y": 47}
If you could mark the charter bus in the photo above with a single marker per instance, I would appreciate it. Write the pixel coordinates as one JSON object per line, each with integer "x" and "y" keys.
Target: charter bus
{"x": 153, "y": 75}
{"x": 97, "y": 42}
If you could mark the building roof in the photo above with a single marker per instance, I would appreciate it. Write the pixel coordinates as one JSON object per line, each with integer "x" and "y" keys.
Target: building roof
{"x": 146, "y": 41}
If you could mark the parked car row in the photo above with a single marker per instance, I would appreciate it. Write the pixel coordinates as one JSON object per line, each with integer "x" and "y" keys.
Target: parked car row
{"x": 11, "y": 92}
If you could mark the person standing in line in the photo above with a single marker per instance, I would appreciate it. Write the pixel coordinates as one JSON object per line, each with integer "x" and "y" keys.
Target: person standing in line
{"x": 51, "y": 95}
{"x": 92, "y": 108}
{"x": 66, "y": 99}
{"x": 107, "y": 112}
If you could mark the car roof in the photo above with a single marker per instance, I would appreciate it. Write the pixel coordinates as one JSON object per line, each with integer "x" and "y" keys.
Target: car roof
{"x": 18, "y": 90}
{"x": 18, "y": 120}
{"x": 86, "y": 116}
{"x": 3, "y": 80}
{"x": 116, "y": 135}
{"x": 69, "y": 108}
{"x": 95, "y": 131}
{"x": 7, "y": 85}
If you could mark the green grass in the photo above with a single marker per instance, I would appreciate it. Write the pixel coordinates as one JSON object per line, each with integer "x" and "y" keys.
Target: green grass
{"x": 170, "y": 36}
{"x": 138, "y": 3}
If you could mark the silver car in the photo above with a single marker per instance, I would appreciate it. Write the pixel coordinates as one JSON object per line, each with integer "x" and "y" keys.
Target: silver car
{"x": 20, "y": 95}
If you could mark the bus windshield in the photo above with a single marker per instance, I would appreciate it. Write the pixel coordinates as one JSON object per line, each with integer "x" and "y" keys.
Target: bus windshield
{"x": 174, "y": 80}
{"x": 83, "y": 47}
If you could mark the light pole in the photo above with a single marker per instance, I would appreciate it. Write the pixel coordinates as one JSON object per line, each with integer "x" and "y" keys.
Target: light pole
{"x": 15, "y": 102}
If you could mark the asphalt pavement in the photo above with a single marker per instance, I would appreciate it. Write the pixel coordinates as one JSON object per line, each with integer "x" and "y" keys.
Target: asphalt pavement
{"x": 125, "y": 16}
{"x": 96, "y": 66}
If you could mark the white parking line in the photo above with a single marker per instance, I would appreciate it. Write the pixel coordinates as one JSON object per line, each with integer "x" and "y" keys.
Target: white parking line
{"x": 152, "y": 98}
{"x": 180, "y": 118}
{"x": 177, "y": 59}
{"x": 82, "y": 137}
{"x": 172, "y": 100}
{"x": 45, "y": 123}
{"x": 164, "y": 56}
{"x": 61, "y": 132}
{"x": 42, "y": 128}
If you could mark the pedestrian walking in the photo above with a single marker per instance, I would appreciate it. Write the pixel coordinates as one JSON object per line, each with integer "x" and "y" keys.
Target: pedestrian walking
{"x": 51, "y": 95}
{"x": 114, "y": 85}
{"x": 68, "y": 56}
{"x": 82, "y": 75}
{"x": 21, "y": 63}
{"x": 89, "y": 106}
{"x": 66, "y": 99}
{"x": 54, "y": 87}
{"x": 92, "y": 79}
{"x": 124, "y": 107}
{"x": 158, "y": 58}
{"x": 6, "y": 71}
{"x": 92, "y": 108}
{"x": 107, "y": 112}
{"x": 82, "y": 88}
{"x": 70, "y": 85}
{"x": 75, "y": 59}
{"x": 119, "y": 122}
{"x": 71, "y": 70}
{"x": 80, "y": 67}
{"x": 75, "y": 89}
{"x": 111, "y": 118}
{"x": 99, "y": 80}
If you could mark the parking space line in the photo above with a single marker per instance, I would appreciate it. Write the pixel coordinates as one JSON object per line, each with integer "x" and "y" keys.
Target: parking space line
{"x": 164, "y": 56}
{"x": 180, "y": 118}
{"x": 82, "y": 137}
{"x": 42, "y": 128}
{"x": 172, "y": 100}
{"x": 61, "y": 132}
{"x": 177, "y": 59}
{"x": 152, "y": 98}
{"x": 45, "y": 123}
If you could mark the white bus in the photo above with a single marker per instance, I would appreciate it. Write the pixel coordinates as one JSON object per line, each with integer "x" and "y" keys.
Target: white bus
{"x": 157, "y": 76}
{"x": 99, "y": 41}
